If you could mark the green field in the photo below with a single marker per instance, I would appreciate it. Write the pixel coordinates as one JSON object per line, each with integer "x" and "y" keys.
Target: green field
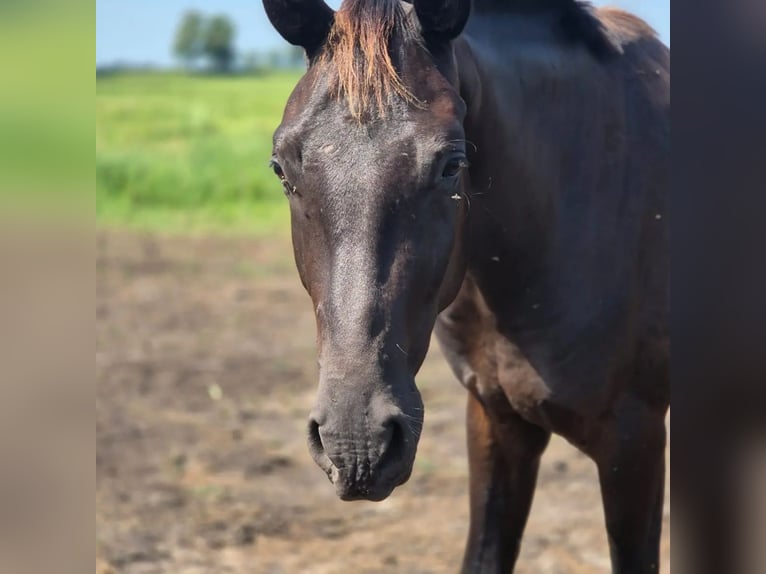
{"x": 180, "y": 153}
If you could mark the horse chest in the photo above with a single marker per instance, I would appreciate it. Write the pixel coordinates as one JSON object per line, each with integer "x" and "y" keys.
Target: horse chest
{"x": 504, "y": 377}
{"x": 517, "y": 378}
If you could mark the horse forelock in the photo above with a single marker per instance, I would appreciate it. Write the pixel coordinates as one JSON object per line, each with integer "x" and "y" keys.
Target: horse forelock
{"x": 358, "y": 55}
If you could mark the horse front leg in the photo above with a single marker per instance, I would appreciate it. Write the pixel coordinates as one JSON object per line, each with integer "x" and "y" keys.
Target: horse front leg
{"x": 631, "y": 468}
{"x": 504, "y": 456}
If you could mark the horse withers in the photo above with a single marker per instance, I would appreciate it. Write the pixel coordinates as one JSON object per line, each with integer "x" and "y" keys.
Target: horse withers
{"x": 496, "y": 174}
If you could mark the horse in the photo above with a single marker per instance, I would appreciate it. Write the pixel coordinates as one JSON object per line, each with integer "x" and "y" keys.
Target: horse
{"x": 494, "y": 173}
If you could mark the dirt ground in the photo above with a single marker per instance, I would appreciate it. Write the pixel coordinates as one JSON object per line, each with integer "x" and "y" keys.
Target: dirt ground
{"x": 206, "y": 374}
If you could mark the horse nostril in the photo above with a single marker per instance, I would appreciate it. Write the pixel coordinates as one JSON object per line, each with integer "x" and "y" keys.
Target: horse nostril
{"x": 394, "y": 451}
{"x": 318, "y": 453}
{"x": 315, "y": 440}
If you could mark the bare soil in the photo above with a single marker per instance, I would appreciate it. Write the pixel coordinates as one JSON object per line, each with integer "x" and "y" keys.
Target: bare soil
{"x": 206, "y": 374}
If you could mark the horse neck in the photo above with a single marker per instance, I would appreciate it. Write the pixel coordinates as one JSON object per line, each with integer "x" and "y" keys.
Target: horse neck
{"x": 526, "y": 98}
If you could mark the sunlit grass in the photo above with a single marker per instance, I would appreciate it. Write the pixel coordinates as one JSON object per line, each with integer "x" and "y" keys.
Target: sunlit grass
{"x": 189, "y": 153}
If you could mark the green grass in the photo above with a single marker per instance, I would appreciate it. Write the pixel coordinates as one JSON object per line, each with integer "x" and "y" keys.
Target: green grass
{"x": 189, "y": 154}
{"x": 46, "y": 117}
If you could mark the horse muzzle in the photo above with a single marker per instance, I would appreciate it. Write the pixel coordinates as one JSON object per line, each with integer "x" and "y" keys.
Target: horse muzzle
{"x": 364, "y": 461}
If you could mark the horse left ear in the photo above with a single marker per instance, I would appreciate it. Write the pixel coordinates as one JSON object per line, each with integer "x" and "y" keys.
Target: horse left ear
{"x": 442, "y": 19}
{"x": 304, "y": 23}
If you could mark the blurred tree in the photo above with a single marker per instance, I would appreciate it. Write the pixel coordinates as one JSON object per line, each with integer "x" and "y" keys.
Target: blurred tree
{"x": 189, "y": 36}
{"x": 219, "y": 42}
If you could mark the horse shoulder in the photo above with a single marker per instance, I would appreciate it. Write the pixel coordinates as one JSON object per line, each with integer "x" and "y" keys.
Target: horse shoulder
{"x": 485, "y": 362}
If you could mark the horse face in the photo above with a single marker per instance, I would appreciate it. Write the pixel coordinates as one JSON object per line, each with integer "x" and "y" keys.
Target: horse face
{"x": 377, "y": 209}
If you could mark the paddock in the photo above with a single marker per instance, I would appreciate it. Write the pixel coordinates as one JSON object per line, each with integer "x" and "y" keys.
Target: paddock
{"x": 206, "y": 370}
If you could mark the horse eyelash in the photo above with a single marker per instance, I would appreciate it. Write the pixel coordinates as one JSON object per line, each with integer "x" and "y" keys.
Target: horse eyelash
{"x": 473, "y": 145}
{"x": 274, "y": 163}
{"x": 288, "y": 187}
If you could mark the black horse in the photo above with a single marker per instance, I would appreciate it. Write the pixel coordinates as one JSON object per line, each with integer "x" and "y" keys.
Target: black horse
{"x": 499, "y": 174}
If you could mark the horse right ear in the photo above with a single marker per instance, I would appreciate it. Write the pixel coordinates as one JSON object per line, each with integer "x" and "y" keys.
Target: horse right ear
{"x": 304, "y": 23}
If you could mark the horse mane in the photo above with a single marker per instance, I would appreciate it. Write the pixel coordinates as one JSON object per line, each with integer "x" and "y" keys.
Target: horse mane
{"x": 357, "y": 54}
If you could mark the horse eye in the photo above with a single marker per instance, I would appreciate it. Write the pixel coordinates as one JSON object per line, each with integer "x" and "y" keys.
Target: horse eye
{"x": 453, "y": 167}
{"x": 277, "y": 169}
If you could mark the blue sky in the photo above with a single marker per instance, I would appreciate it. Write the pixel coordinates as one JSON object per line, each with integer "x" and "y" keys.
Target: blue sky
{"x": 141, "y": 31}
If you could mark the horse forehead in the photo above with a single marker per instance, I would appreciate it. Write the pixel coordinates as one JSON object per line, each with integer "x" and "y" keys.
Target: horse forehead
{"x": 327, "y": 137}
{"x": 343, "y": 141}
{"x": 382, "y": 161}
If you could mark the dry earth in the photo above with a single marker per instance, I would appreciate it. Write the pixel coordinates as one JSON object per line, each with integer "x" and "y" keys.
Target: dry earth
{"x": 206, "y": 373}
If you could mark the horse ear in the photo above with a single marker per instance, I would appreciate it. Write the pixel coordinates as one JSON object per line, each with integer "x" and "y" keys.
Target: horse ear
{"x": 304, "y": 23}
{"x": 442, "y": 19}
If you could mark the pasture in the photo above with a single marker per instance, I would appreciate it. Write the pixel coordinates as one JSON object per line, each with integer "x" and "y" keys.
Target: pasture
{"x": 177, "y": 153}
{"x": 206, "y": 370}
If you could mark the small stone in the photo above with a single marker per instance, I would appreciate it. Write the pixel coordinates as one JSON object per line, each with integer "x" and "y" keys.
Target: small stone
{"x": 215, "y": 392}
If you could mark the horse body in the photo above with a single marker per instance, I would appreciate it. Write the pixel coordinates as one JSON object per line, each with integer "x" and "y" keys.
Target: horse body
{"x": 549, "y": 262}
{"x": 561, "y": 324}
{"x": 568, "y": 223}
